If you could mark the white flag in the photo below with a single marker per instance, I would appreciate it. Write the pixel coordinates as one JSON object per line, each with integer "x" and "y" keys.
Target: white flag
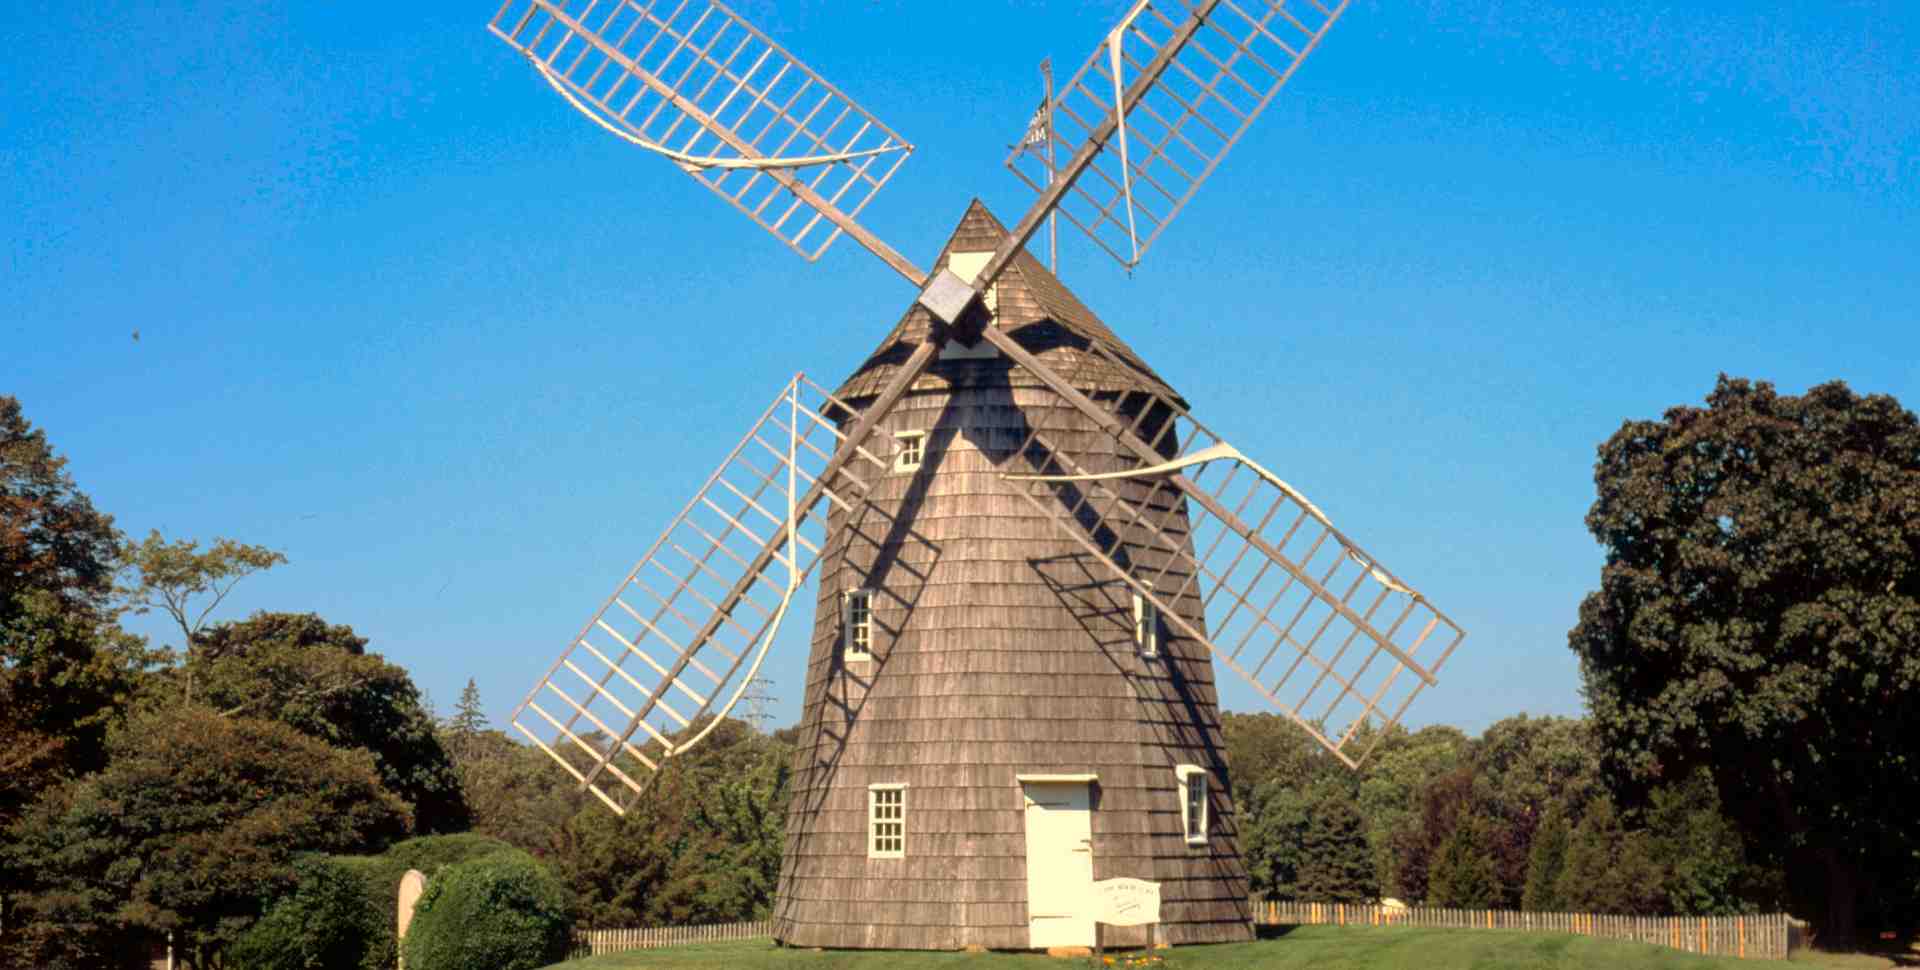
{"x": 1037, "y": 128}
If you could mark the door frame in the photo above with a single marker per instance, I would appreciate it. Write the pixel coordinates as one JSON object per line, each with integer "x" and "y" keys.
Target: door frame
{"x": 1083, "y": 785}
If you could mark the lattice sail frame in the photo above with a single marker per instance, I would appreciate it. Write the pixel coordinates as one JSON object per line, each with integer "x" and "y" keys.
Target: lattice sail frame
{"x": 1178, "y": 132}
{"x": 640, "y": 681}
{"x": 1321, "y": 575}
{"x": 1320, "y": 628}
{"x": 697, "y": 80}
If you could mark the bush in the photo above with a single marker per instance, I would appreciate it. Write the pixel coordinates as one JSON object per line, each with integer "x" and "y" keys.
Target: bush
{"x": 379, "y": 877}
{"x": 326, "y": 923}
{"x": 501, "y": 912}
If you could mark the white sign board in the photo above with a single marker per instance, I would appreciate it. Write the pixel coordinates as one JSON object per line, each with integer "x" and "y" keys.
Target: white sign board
{"x": 1126, "y": 902}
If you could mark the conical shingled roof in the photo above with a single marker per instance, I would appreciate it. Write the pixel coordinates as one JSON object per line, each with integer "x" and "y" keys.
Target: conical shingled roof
{"x": 1033, "y": 306}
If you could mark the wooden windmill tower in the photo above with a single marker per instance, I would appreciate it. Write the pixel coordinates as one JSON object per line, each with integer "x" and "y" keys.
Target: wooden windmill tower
{"x": 1031, "y": 558}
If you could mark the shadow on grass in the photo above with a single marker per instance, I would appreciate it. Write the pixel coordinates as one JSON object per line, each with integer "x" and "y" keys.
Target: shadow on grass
{"x": 1263, "y": 931}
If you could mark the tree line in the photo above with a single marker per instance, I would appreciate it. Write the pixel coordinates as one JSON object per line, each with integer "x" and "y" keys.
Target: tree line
{"x": 1750, "y": 660}
{"x": 1516, "y": 818}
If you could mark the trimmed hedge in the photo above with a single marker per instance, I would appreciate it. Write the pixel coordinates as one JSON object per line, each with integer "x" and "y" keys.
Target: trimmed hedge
{"x": 379, "y": 876}
{"x": 501, "y": 912}
{"x": 326, "y": 923}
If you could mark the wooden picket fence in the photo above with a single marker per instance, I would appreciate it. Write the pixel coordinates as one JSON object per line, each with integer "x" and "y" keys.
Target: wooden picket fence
{"x": 595, "y": 942}
{"x": 1762, "y": 937}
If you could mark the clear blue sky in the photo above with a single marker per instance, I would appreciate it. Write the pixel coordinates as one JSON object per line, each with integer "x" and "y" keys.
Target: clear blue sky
{"x": 459, "y": 354}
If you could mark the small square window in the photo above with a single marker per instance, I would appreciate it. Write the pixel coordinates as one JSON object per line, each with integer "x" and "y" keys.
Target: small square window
{"x": 856, "y": 624}
{"x": 1146, "y": 626}
{"x": 1193, "y": 802}
{"x": 886, "y": 821}
{"x": 909, "y": 450}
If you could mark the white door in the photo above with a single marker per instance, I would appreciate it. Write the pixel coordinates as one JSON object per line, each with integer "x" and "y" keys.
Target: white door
{"x": 1059, "y": 864}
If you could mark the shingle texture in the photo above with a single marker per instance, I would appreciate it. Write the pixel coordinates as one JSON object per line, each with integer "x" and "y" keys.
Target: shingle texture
{"x": 999, "y": 649}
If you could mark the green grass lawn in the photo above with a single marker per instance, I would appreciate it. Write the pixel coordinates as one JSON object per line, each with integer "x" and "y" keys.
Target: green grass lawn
{"x": 1305, "y": 948}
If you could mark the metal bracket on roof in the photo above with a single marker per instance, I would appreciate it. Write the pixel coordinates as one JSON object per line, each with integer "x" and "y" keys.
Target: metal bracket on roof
{"x": 947, "y": 296}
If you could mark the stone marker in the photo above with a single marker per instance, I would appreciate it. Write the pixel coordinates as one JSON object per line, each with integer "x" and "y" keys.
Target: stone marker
{"x": 411, "y": 886}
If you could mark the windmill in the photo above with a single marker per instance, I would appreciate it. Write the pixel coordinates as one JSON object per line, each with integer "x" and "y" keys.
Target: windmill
{"x": 1031, "y": 557}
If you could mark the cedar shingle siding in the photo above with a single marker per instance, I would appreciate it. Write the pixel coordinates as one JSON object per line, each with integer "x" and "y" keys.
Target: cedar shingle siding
{"x": 999, "y": 649}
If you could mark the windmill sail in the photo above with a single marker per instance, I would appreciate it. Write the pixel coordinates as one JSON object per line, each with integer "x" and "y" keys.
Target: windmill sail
{"x": 696, "y": 83}
{"x": 673, "y": 648}
{"x": 1212, "y": 65}
{"x": 1320, "y": 628}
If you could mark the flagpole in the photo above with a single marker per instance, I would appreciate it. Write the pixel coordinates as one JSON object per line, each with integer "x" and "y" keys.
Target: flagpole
{"x": 1053, "y": 218}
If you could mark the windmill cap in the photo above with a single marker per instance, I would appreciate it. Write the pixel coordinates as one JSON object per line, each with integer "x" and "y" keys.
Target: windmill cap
{"x": 1033, "y": 307}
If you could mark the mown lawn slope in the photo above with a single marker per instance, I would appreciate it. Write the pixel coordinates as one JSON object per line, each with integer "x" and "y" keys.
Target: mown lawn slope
{"x": 1305, "y": 948}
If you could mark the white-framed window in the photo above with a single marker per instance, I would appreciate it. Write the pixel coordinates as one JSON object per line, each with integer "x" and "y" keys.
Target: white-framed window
{"x": 886, "y": 821}
{"x": 1146, "y": 626}
{"x": 909, "y": 450}
{"x": 856, "y": 624}
{"x": 1193, "y": 802}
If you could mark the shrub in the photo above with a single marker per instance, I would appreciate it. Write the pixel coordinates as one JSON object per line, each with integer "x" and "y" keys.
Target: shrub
{"x": 501, "y": 912}
{"x": 379, "y": 877}
{"x": 326, "y": 923}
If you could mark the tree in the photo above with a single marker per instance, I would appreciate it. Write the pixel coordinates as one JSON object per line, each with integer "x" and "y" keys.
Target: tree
{"x": 194, "y": 823}
{"x": 729, "y": 868}
{"x": 1527, "y": 764}
{"x": 1546, "y": 860}
{"x": 1391, "y": 783}
{"x": 65, "y": 676}
{"x": 1759, "y": 615}
{"x": 1266, "y": 747}
{"x": 318, "y": 678}
{"x": 516, "y": 793}
{"x": 65, "y": 669}
{"x": 1443, "y": 804}
{"x": 1706, "y": 862}
{"x": 1310, "y": 844}
{"x": 1463, "y": 874}
{"x": 701, "y": 844}
{"x": 1609, "y": 869}
{"x": 51, "y": 538}
{"x": 187, "y": 584}
{"x": 328, "y": 922}
{"x": 468, "y": 722}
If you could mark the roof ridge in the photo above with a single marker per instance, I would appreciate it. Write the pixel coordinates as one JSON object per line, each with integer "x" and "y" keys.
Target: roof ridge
{"x": 1031, "y": 297}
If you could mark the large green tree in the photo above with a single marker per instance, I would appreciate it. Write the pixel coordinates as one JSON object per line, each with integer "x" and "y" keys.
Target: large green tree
{"x": 1609, "y": 868}
{"x": 1546, "y": 860}
{"x": 517, "y": 794}
{"x": 191, "y": 827}
{"x": 65, "y": 668}
{"x": 1444, "y": 802}
{"x": 1310, "y": 844}
{"x": 65, "y": 677}
{"x": 1708, "y": 867}
{"x": 1465, "y": 874}
{"x": 1759, "y": 615}
{"x": 51, "y": 538}
{"x": 1263, "y": 748}
{"x": 701, "y": 844}
{"x": 318, "y": 678}
{"x": 1392, "y": 781}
